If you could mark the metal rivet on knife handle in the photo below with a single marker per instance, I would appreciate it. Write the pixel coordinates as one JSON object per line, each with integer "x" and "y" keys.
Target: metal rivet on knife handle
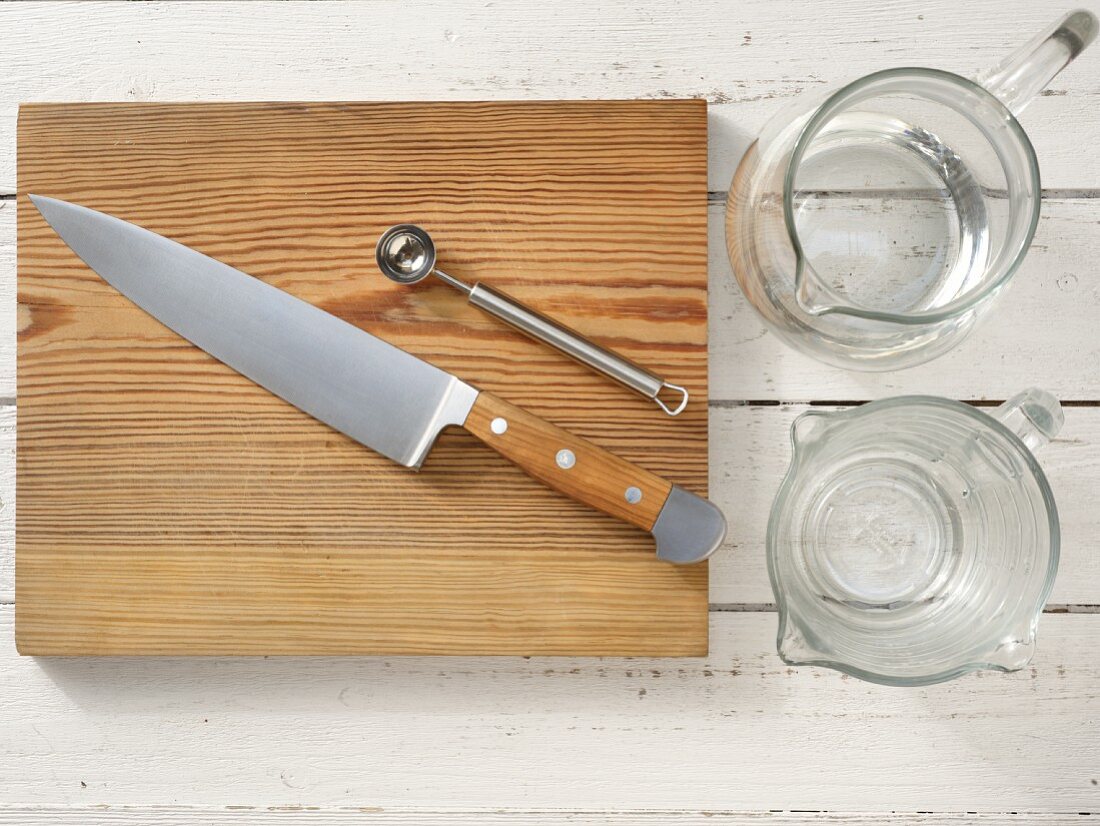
{"x": 406, "y": 254}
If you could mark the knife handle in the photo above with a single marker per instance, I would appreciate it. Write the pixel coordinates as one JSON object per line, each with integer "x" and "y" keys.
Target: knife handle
{"x": 688, "y": 528}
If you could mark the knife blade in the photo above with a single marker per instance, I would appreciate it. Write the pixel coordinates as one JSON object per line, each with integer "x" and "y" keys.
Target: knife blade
{"x": 376, "y": 393}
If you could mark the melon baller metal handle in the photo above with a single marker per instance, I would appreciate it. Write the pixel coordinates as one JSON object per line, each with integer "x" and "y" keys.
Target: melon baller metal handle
{"x": 406, "y": 254}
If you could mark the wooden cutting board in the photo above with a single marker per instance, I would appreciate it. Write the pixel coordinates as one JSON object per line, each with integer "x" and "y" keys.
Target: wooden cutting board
{"x": 167, "y": 505}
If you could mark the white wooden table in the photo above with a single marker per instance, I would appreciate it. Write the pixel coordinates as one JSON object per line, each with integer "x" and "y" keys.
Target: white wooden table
{"x": 737, "y": 738}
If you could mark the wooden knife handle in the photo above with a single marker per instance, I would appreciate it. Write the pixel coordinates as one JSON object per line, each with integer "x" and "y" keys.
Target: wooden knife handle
{"x": 687, "y": 527}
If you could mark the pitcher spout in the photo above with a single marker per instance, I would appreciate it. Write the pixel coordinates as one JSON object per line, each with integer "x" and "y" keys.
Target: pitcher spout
{"x": 814, "y": 296}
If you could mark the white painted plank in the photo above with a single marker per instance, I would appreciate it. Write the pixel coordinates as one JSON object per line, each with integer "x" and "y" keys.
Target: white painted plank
{"x": 750, "y": 451}
{"x": 7, "y": 302}
{"x": 7, "y": 506}
{"x": 748, "y": 57}
{"x": 1043, "y": 330}
{"x": 737, "y": 731}
{"x": 749, "y": 455}
{"x": 376, "y": 816}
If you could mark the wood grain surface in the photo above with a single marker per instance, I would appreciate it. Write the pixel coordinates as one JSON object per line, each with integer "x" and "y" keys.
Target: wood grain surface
{"x": 168, "y": 505}
{"x": 596, "y": 476}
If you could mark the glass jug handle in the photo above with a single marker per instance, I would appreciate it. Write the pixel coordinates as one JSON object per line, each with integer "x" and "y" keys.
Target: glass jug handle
{"x": 1034, "y": 415}
{"x": 1028, "y": 70}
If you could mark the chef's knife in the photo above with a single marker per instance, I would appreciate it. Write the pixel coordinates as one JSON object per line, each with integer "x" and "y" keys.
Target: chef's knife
{"x": 379, "y": 395}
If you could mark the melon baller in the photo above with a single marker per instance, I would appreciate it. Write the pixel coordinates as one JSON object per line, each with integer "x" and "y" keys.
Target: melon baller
{"x": 406, "y": 254}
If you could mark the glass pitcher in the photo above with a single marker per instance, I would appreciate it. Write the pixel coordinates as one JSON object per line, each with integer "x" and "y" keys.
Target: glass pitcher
{"x": 915, "y": 539}
{"x": 871, "y": 225}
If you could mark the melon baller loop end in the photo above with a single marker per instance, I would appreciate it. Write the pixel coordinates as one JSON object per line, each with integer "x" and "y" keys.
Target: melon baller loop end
{"x": 406, "y": 254}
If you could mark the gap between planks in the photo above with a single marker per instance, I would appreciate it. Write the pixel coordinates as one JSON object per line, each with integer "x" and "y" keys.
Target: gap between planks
{"x": 184, "y": 816}
{"x": 719, "y": 197}
{"x": 769, "y": 607}
{"x": 721, "y": 404}
{"x": 1060, "y": 193}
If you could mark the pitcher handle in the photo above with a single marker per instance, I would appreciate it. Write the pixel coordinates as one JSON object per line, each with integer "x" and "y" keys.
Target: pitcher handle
{"x": 1034, "y": 415}
{"x": 1028, "y": 70}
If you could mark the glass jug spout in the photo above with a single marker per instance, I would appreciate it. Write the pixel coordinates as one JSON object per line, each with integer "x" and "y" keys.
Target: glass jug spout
{"x": 1027, "y": 71}
{"x": 812, "y": 295}
{"x": 1034, "y": 415}
{"x": 1016, "y": 649}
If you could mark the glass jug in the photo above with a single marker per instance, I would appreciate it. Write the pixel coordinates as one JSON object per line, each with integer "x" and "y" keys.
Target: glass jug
{"x": 871, "y": 225}
{"x": 915, "y": 539}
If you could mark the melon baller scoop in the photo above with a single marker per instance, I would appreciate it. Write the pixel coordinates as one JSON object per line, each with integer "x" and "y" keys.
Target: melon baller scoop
{"x": 406, "y": 254}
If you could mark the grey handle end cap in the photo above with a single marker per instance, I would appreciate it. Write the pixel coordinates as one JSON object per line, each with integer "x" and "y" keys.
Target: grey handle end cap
{"x": 689, "y": 528}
